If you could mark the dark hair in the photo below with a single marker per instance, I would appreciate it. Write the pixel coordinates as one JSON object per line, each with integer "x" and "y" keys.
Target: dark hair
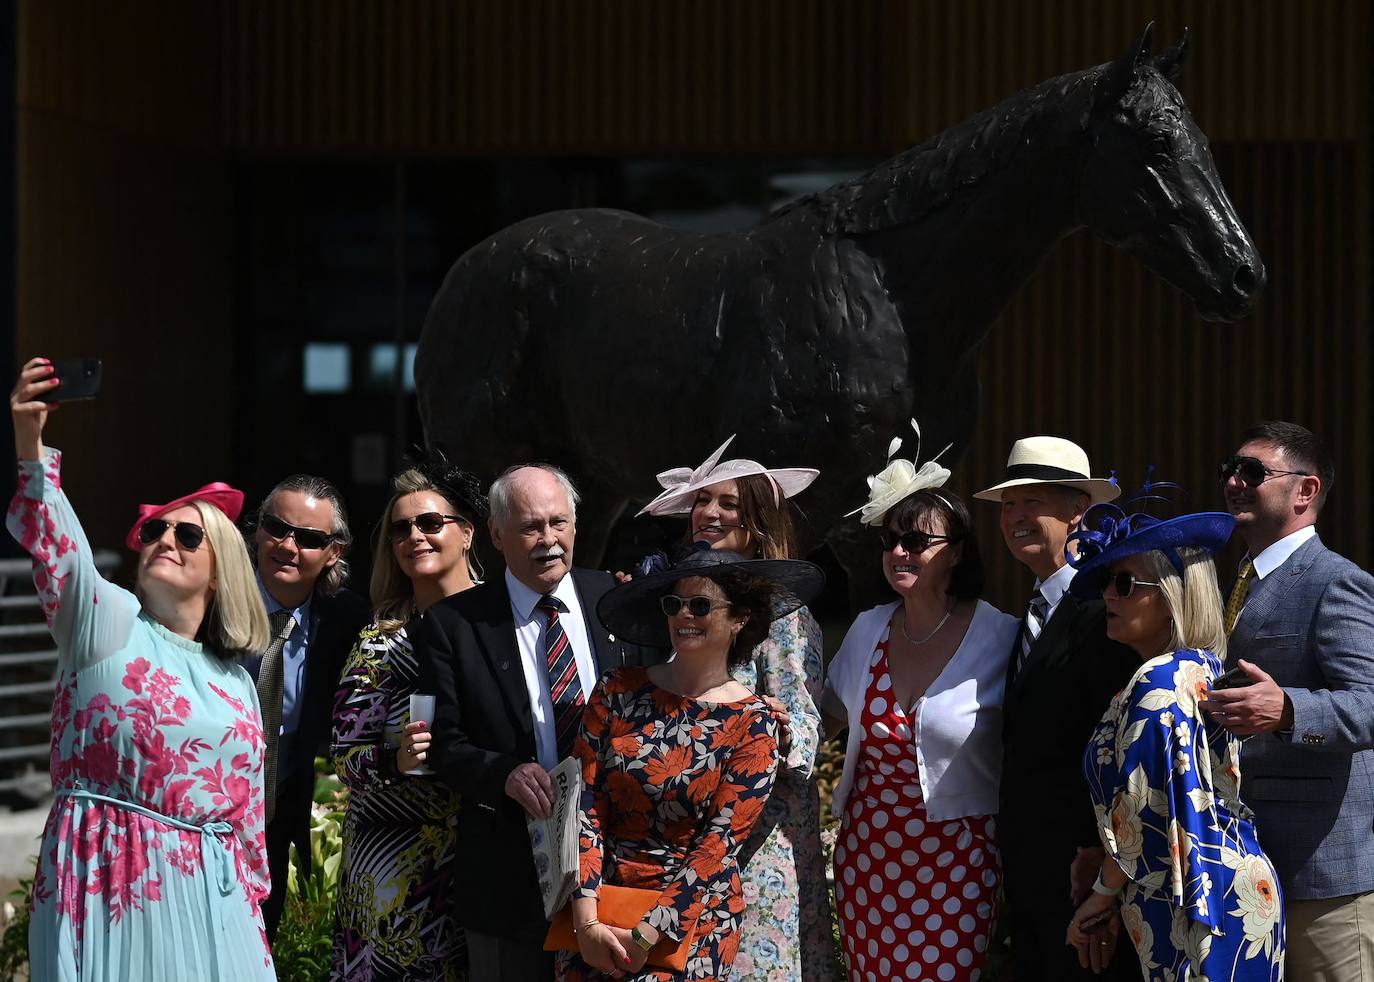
{"x": 916, "y": 511}
{"x": 750, "y": 595}
{"x": 1303, "y": 448}
{"x": 314, "y": 487}
{"x": 767, "y": 520}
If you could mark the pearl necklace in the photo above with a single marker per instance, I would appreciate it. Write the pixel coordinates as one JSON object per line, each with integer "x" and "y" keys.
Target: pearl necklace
{"x": 901, "y": 623}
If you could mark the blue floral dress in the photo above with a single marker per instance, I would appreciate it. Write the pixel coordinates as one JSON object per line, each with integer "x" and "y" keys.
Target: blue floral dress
{"x": 786, "y": 932}
{"x": 153, "y": 863}
{"x": 1204, "y": 900}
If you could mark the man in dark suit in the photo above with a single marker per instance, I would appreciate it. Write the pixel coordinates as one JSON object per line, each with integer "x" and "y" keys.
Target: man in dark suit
{"x": 512, "y": 662}
{"x": 1063, "y": 673}
{"x": 298, "y": 546}
{"x": 1301, "y": 624}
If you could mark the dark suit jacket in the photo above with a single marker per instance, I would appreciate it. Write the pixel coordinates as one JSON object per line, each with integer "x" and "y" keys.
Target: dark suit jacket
{"x": 483, "y": 729}
{"x": 335, "y": 621}
{"x": 1310, "y": 624}
{"x": 1050, "y": 709}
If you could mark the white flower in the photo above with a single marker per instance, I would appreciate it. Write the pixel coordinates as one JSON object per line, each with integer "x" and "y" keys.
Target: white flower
{"x": 1138, "y": 929}
{"x": 1190, "y": 684}
{"x": 1181, "y": 763}
{"x": 1183, "y": 734}
{"x": 1257, "y": 902}
{"x": 1166, "y": 718}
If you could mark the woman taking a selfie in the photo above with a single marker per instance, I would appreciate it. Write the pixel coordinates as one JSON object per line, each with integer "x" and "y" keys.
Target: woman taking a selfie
{"x": 153, "y": 862}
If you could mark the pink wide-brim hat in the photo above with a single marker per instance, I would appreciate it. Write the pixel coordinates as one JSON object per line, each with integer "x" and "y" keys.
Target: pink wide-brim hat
{"x": 681, "y": 484}
{"x": 222, "y": 496}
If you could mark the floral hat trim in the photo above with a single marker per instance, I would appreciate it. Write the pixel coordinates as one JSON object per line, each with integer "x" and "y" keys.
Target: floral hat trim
{"x": 899, "y": 479}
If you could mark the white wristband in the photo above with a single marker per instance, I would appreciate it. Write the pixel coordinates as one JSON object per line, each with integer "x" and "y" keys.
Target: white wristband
{"x": 1100, "y": 887}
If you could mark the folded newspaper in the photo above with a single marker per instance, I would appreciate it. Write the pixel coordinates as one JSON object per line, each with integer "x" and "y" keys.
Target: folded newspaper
{"x": 555, "y": 839}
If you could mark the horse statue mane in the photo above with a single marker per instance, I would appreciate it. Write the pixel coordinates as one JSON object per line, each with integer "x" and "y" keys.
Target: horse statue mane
{"x": 615, "y": 346}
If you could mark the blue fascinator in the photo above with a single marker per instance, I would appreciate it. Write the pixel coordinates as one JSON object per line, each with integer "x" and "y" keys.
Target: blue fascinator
{"x": 1108, "y": 533}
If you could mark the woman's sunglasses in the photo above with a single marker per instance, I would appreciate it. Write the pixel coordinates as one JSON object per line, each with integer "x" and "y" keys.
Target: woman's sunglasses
{"x": 305, "y": 538}
{"x": 1125, "y": 583}
{"x": 1251, "y": 472}
{"x": 430, "y": 523}
{"x": 914, "y": 541}
{"x": 696, "y": 606}
{"x": 187, "y": 534}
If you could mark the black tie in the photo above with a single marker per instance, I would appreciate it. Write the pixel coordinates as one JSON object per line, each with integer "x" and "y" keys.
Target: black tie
{"x": 1035, "y": 623}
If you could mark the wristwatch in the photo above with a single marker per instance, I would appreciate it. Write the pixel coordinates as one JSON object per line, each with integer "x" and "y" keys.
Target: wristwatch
{"x": 637, "y": 936}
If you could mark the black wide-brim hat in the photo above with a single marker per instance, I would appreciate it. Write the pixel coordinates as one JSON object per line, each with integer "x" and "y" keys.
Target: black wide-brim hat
{"x": 631, "y": 610}
{"x": 1108, "y": 535}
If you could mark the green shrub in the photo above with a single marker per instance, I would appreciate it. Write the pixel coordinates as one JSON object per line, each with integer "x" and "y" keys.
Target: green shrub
{"x": 14, "y": 932}
{"x": 305, "y": 938}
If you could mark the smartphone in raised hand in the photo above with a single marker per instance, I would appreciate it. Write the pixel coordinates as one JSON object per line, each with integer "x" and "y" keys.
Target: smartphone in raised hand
{"x": 79, "y": 379}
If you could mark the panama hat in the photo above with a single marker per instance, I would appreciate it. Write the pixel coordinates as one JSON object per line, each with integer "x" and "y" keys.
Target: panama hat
{"x": 1051, "y": 460}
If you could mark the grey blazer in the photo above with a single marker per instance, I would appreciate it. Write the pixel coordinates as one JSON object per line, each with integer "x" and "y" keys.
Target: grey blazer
{"x": 1310, "y": 624}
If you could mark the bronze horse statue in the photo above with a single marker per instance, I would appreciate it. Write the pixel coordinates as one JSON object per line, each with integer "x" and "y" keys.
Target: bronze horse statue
{"x": 618, "y": 347}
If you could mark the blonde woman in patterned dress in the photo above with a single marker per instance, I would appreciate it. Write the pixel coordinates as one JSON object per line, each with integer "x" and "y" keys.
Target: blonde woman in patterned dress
{"x": 400, "y": 834}
{"x": 745, "y": 507}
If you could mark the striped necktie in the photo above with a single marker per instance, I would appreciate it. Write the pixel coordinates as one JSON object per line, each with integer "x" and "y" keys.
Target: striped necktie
{"x": 1035, "y": 623}
{"x": 269, "y": 698}
{"x": 565, "y": 688}
{"x": 1239, "y": 593}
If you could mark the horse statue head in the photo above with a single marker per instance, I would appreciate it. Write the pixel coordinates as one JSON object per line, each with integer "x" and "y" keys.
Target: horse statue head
{"x": 1180, "y": 222}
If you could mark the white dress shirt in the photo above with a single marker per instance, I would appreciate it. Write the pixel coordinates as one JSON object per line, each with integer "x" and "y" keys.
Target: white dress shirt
{"x": 1054, "y": 588}
{"x": 529, "y": 635}
{"x": 1278, "y": 552}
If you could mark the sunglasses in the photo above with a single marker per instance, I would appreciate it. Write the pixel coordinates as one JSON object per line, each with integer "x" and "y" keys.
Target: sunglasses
{"x": 1125, "y": 583}
{"x": 914, "y": 541}
{"x": 430, "y": 523}
{"x": 305, "y": 538}
{"x": 1251, "y": 472}
{"x": 696, "y": 606}
{"x": 188, "y": 535}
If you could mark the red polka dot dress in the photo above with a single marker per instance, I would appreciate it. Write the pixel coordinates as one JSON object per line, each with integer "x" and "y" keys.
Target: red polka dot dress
{"x": 916, "y": 897}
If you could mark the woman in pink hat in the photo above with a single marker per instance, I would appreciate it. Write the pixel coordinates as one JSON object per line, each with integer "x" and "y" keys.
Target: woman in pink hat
{"x": 153, "y": 862}
{"x": 743, "y": 506}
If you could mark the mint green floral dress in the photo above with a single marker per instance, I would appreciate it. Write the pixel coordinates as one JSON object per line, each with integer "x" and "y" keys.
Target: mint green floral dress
{"x": 153, "y": 863}
{"x": 786, "y": 932}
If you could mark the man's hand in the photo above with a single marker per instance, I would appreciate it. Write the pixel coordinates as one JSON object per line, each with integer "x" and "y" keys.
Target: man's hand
{"x": 1083, "y": 872}
{"x": 529, "y": 785}
{"x": 1259, "y": 708}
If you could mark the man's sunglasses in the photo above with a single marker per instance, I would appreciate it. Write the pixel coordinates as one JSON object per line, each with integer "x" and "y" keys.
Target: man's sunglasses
{"x": 305, "y": 538}
{"x": 430, "y": 523}
{"x": 914, "y": 541}
{"x": 1251, "y": 472}
{"x": 1125, "y": 583}
{"x": 696, "y": 606}
{"x": 188, "y": 535}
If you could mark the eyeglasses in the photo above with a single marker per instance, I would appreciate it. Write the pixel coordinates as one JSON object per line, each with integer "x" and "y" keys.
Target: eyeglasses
{"x": 914, "y": 541}
{"x": 305, "y": 538}
{"x": 1125, "y": 583}
{"x": 1251, "y": 472}
{"x": 430, "y": 523}
{"x": 188, "y": 534}
{"x": 696, "y": 606}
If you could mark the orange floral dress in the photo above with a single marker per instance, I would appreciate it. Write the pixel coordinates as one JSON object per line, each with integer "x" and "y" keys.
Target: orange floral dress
{"x": 673, "y": 787}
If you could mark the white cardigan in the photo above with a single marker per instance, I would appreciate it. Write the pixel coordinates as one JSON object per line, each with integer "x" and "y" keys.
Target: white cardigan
{"x": 959, "y": 716}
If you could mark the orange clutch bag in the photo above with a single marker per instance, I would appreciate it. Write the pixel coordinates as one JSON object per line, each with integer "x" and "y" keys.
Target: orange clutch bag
{"x": 622, "y": 907}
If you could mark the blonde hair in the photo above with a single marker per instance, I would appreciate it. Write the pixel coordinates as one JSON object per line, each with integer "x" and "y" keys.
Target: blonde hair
{"x": 1193, "y": 598}
{"x": 392, "y": 592}
{"x": 235, "y": 620}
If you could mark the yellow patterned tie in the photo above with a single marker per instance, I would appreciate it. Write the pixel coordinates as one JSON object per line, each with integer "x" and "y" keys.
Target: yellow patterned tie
{"x": 1238, "y": 594}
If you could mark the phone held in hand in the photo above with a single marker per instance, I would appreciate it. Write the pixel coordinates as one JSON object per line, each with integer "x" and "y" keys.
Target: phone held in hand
{"x": 79, "y": 379}
{"x": 1236, "y": 678}
{"x": 1097, "y": 922}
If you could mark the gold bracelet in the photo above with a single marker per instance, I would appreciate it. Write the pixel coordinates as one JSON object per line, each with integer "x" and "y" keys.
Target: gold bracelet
{"x": 591, "y": 923}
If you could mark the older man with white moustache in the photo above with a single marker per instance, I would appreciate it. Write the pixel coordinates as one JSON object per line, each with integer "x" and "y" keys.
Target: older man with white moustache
{"x": 511, "y": 663}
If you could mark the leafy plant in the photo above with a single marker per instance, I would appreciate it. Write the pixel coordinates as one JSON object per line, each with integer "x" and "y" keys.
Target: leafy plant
{"x": 14, "y": 932}
{"x": 305, "y": 938}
